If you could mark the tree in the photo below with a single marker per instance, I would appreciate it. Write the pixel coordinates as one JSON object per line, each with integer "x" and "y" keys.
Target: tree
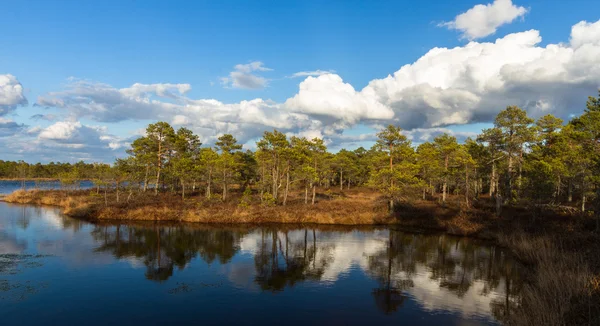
{"x": 345, "y": 162}
{"x": 429, "y": 166}
{"x": 515, "y": 127}
{"x": 207, "y": 167}
{"x": 186, "y": 147}
{"x": 160, "y": 137}
{"x": 586, "y": 129}
{"x": 447, "y": 147}
{"x": 401, "y": 175}
{"x": 494, "y": 139}
{"x": 227, "y": 163}
{"x": 276, "y": 155}
{"x": 390, "y": 139}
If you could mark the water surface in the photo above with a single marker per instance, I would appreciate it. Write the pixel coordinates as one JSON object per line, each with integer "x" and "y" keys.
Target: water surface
{"x": 58, "y": 270}
{"x": 8, "y": 186}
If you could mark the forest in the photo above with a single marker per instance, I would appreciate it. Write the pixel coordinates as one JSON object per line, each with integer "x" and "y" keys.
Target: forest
{"x": 52, "y": 170}
{"x": 543, "y": 161}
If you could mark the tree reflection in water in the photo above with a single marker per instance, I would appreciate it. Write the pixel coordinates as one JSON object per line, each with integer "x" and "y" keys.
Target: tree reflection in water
{"x": 281, "y": 261}
{"x": 161, "y": 248}
{"x": 454, "y": 263}
{"x": 403, "y": 264}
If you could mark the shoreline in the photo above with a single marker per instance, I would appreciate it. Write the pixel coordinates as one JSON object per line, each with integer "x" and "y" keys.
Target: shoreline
{"x": 560, "y": 248}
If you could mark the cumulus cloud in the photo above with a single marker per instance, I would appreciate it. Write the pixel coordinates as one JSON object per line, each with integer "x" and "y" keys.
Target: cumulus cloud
{"x": 483, "y": 20}
{"x": 329, "y": 96}
{"x": 474, "y": 82}
{"x": 446, "y": 86}
{"x": 11, "y": 94}
{"x": 73, "y": 135}
{"x": 313, "y": 73}
{"x": 244, "y": 76}
{"x": 105, "y": 103}
{"x": 181, "y": 120}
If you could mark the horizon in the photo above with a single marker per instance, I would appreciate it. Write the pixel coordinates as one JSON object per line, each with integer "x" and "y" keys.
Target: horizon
{"x": 81, "y": 81}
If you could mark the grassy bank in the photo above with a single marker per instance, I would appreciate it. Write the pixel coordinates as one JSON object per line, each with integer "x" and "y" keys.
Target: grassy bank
{"x": 559, "y": 245}
{"x": 352, "y": 208}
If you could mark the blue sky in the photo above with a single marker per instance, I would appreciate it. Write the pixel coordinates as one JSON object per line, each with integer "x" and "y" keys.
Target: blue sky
{"x": 62, "y": 51}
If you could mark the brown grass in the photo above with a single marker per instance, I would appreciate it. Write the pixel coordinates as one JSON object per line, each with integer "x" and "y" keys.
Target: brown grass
{"x": 353, "y": 208}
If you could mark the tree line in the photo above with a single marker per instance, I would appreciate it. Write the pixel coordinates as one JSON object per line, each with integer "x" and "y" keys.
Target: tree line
{"x": 544, "y": 161}
{"x": 52, "y": 170}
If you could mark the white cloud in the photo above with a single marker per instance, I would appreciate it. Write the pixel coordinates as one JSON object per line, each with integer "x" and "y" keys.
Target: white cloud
{"x": 314, "y": 73}
{"x": 244, "y": 76}
{"x": 474, "y": 82}
{"x": 584, "y": 33}
{"x": 329, "y": 96}
{"x": 105, "y": 103}
{"x": 68, "y": 136}
{"x": 181, "y": 120}
{"x": 162, "y": 90}
{"x": 11, "y": 94}
{"x": 483, "y": 20}
{"x": 446, "y": 86}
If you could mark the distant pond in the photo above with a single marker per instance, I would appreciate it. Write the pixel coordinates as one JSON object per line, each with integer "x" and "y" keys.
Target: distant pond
{"x": 55, "y": 270}
{"x": 8, "y": 186}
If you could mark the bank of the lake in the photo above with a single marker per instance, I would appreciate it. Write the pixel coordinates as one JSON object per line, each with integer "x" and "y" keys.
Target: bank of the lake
{"x": 560, "y": 246}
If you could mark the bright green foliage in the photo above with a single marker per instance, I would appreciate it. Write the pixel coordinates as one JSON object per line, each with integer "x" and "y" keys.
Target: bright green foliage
{"x": 430, "y": 169}
{"x": 447, "y": 147}
{"x": 400, "y": 178}
{"x": 516, "y": 130}
{"x": 227, "y": 163}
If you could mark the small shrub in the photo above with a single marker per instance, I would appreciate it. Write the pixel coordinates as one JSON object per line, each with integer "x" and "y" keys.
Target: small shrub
{"x": 268, "y": 200}
{"x": 246, "y": 198}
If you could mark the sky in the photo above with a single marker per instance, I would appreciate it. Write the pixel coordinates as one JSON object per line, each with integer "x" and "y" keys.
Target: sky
{"x": 79, "y": 80}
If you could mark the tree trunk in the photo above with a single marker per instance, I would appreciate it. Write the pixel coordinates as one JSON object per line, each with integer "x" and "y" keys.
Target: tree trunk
{"x": 157, "y": 182}
{"x": 583, "y": 203}
{"x": 314, "y": 193}
{"x": 208, "y": 184}
{"x": 445, "y": 185}
{"x": 341, "y": 180}
{"x": 305, "y": 193}
{"x": 498, "y": 204}
{"x": 146, "y": 177}
{"x": 287, "y": 187}
{"x": 510, "y": 176}
{"x": 493, "y": 179}
{"x": 117, "y": 189}
{"x": 391, "y": 166}
{"x": 467, "y": 185}
{"x": 570, "y": 191}
{"x": 158, "y": 168}
{"x": 182, "y": 190}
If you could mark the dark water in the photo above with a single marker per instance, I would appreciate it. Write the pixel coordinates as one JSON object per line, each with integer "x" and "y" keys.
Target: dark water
{"x": 8, "y": 186}
{"x": 57, "y": 270}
